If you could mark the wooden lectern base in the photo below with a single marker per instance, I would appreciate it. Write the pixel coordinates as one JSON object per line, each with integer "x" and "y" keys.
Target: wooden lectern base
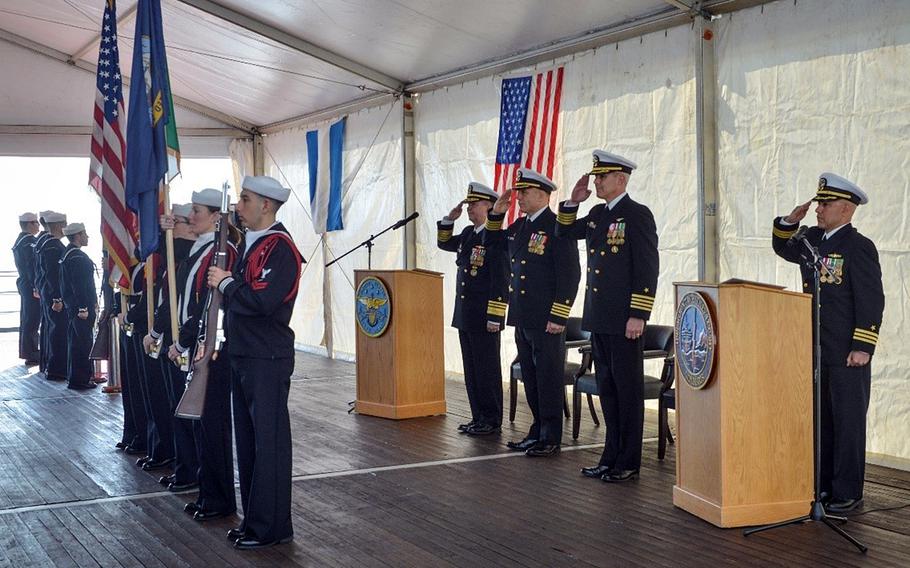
{"x": 401, "y": 411}
{"x": 738, "y": 515}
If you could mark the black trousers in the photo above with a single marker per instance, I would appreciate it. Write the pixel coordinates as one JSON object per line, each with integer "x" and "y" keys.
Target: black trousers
{"x": 79, "y": 346}
{"x": 845, "y": 400}
{"x": 186, "y": 462}
{"x": 619, "y": 371}
{"x": 135, "y": 423}
{"x": 214, "y": 441}
{"x": 56, "y": 342}
{"x": 29, "y": 320}
{"x": 542, "y": 357}
{"x": 159, "y": 433}
{"x": 262, "y": 428}
{"x": 43, "y": 336}
{"x": 482, "y": 375}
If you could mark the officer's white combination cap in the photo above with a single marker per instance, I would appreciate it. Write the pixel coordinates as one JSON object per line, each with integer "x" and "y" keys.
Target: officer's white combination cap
{"x": 605, "y": 162}
{"x": 526, "y": 178}
{"x": 832, "y": 186}
{"x": 267, "y": 187}
{"x": 480, "y": 192}
{"x": 208, "y": 197}
{"x": 73, "y": 229}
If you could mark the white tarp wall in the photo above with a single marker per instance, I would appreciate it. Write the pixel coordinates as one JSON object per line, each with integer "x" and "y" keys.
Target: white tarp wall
{"x": 803, "y": 88}
{"x": 636, "y": 98}
{"x": 373, "y": 199}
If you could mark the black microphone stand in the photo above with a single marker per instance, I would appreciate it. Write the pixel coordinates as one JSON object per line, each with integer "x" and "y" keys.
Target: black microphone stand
{"x": 369, "y": 242}
{"x": 816, "y": 509}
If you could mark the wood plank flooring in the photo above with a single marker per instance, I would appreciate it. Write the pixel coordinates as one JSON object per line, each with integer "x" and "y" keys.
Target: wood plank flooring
{"x": 374, "y": 492}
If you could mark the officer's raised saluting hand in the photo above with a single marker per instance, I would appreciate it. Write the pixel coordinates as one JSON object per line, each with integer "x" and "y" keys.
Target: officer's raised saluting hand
{"x": 581, "y": 192}
{"x": 455, "y": 213}
{"x": 502, "y": 204}
{"x": 798, "y": 213}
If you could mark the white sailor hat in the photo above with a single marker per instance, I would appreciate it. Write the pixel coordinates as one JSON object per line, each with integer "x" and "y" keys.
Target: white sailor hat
{"x": 181, "y": 209}
{"x": 43, "y": 214}
{"x": 526, "y": 178}
{"x": 54, "y": 217}
{"x": 28, "y": 218}
{"x": 73, "y": 229}
{"x": 208, "y": 197}
{"x": 832, "y": 186}
{"x": 265, "y": 186}
{"x": 480, "y": 192}
{"x": 605, "y": 162}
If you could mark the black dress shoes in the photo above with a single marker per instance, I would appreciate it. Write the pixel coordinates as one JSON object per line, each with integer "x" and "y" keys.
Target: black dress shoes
{"x": 166, "y": 479}
{"x": 482, "y": 430}
{"x": 521, "y": 446}
{"x": 130, "y": 450}
{"x": 202, "y": 515}
{"x": 176, "y": 487}
{"x": 843, "y": 505}
{"x": 191, "y": 508}
{"x": 234, "y": 534}
{"x": 620, "y": 475}
{"x": 54, "y": 377}
{"x": 121, "y": 445}
{"x": 150, "y": 465}
{"x": 463, "y": 427}
{"x": 82, "y": 386}
{"x": 597, "y": 471}
{"x": 542, "y": 450}
{"x": 250, "y": 543}
{"x": 141, "y": 461}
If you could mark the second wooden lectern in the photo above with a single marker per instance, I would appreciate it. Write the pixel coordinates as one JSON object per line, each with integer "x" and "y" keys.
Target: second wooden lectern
{"x": 400, "y": 357}
{"x": 744, "y": 455}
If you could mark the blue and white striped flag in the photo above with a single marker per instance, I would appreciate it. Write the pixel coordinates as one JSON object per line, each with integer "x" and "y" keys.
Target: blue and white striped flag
{"x": 324, "y": 149}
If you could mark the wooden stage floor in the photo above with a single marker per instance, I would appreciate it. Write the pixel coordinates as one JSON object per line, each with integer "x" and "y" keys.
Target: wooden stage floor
{"x": 373, "y": 492}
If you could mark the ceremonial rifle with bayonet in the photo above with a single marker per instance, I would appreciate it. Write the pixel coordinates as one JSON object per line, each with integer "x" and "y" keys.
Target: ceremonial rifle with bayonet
{"x": 192, "y": 403}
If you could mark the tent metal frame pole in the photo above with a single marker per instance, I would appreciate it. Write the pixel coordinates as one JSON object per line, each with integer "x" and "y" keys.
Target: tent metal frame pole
{"x": 62, "y": 57}
{"x": 296, "y": 43}
{"x": 706, "y": 150}
{"x": 410, "y": 179}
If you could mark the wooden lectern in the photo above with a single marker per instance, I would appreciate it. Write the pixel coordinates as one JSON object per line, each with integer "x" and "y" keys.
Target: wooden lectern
{"x": 744, "y": 454}
{"x": 400, "y": 374}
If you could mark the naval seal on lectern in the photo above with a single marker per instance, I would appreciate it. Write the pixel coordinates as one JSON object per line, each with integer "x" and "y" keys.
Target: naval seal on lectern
{"x": 695, "y": 340}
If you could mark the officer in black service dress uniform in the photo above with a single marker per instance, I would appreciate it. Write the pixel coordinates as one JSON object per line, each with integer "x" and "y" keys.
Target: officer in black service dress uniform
{"x": 259, "y": 298}
{"x": 544, "y": 282}
{"x": 621, "y": 242}
{"x": 80, "y": 300}
{"x": 852, "y": 302}
{"x": 29, "y": 306}
{"x": 481, "y": 294}
{"x": 49, "y": 252}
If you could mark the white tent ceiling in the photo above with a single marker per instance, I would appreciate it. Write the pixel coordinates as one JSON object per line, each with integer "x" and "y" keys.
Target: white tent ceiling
{"x": 258, "y": 64}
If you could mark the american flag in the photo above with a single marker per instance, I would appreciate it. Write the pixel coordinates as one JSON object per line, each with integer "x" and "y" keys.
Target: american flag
{"x": 106, "y": 173}
{"x": 528, "y": 127}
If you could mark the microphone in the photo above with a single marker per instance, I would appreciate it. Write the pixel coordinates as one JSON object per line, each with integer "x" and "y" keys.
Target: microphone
{"x": 799, "y": 235}
{"x": 405, "y": 221}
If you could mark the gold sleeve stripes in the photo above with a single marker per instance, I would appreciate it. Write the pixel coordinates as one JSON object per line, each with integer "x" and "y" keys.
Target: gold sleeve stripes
{"x": 492, "y": 225}
{"x": 784, "y": 234}
{"x": 561, "y": 310}
{"x": 495, "y": 308}
{"x": 865, "y": 335}
{"x": 642, "y": 302}
{"x": 565, "y": 217}
{"x": 443, "y": 235}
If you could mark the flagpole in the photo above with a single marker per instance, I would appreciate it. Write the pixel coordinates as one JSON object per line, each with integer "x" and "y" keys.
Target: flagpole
{"x": 150, "y": 291}
{"x": 171, "y": 266}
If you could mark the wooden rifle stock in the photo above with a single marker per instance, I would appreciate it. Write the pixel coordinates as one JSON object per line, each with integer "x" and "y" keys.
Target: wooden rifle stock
{"x": 192, "y": 403}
